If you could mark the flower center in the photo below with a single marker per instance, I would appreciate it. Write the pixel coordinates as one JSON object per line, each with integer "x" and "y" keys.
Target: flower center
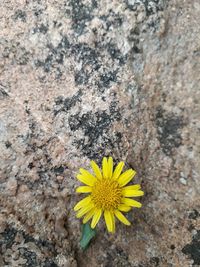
{"x": 106, "y": 194}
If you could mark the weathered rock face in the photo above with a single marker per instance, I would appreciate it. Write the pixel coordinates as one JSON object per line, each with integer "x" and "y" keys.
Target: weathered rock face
{"x": 80, "y": 79}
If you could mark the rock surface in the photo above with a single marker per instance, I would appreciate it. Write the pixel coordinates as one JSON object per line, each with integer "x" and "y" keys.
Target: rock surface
{"x": 80, "y": 79}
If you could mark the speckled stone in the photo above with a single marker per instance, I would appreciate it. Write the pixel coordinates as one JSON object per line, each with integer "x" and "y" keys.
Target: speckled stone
{"x": 80, "y": 79}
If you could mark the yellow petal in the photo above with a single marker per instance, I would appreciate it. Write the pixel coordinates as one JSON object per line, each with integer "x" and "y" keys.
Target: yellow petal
{"x": 121, "y": 217}
{"x": 132, "y": 193}
{"x": 105, "y": 167}
{"x": 113, "y": 220}
{"x": 126, "y": 177}
{"x": 110, "y": 167}
{"x": 131, "y": 202}
{"x": 123, "y": 207}
{"x": 96, "y": 169}
{"x": 132, "y": 187}
{"x": 82, "y": 203}
{"x": 109, "y": 220}
{"x": 96, "y": 217}
{"x": 86, "y": 180}
{"x": 84, "y": 210}
{"x": 118, "y": 170}
{"x": 83, "y": 189}
{"x": 88, "y": 216}
{"x": 87, "y": 174}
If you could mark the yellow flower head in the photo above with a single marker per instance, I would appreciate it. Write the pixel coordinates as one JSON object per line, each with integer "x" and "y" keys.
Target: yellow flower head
{"x": 107, "y": 194}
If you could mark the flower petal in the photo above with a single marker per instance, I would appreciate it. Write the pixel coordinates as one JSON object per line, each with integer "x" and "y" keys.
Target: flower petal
{"x": 118, "y": 170}
{"x": 82, "y": 203}
{"x": 109, "y": 220}
{"x": 87, "y": 174}
{"x": 96, "y": 217}
{"x": 86, "y": 179}
{"x": 123, "y": 207}
{"x": 96, "y": 169}
{"x": 84, "y": 189}
{"x": 110, "y": 167}
{"x": 132, "y": 187}
{"x": 105, "y": 167}
{"x": 126, "y": 177}
{"x": 131, "y": 202}
{"x": 84, "y": 210}
{"x": 132, "y": 193}
{"x": 121, "y": 217}
{"x": 113, "y": 221}
{"x": 88, "y": 216}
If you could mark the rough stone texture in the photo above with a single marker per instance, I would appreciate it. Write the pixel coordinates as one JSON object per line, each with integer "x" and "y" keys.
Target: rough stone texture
{"x": 80, "y": 79}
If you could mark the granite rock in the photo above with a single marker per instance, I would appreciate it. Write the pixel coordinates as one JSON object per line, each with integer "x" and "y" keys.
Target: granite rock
{"x": 80, "y": 79}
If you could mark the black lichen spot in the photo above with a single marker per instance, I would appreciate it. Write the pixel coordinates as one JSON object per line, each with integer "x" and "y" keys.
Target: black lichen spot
{"x": 8, "y": 237}
{"x": 31, "y": 165}
{"x": 95, "y": 127}
{"x": 30, "y": 256}
{"x": 106, "y": 79}
{"x": 193, "y": 249}
{"x": 112, "y": 20}
{"x": 151, "y": 7}
{"x": 168, "y": 129}
{"x": 22, "y": 56}
{"x": 64, "y": 105}
{"x": 3, "y": 93}
{"x": 81, "y": 14}
{"x": 115, "y": 53}
{"x": 59, "y": 170}
{"x": 8, "y": 144}
{"x": 194, "y": 215}
{"x": 20, "y": 15}
{"x": 40, "y": 29}
{"x": 56, "y": 55}
{"x": 172, "y": 247}
{"x": 49, "y": 263}
{"x": 81, "y": 77}
{"x": 154, "y": 261}
{"x": 86, "y": 55}
{"x": 116, "y": 257}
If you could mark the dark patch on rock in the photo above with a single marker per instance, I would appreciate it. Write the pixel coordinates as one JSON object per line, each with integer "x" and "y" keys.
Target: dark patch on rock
{"x": 95, "y": 127}
{"x": 56, "y": 55}
{"x": 193, "y": 249}
{"x": 81, "y": 14}
{"x": 49, "y": 263}
{"x": 172, "y": 247}
{"x": 194, "y": 215}
{"x": 59, "y": 170}
{"x": 20, "y": 15}
{"x": 106, "y": 79}
{"x": 8, "y": 237}
{"x": 168, "y": 129}
{"x": 81, "y": 77}
{"x": 40, "y": 29}
{"x": 117, "y": 257}
{"x": 151, "y": 7}
{"x": 154, "y": 261}
{"x": 86, "y": 55}
{"x": 115, "y": 53}
{"x": 8, "y": 144}
{"x": 30, "y": 256}
{"x": 64, "y": 105}
{"x": 3, "y": 93}
{"x": 18, "y": 52}
{"x": 112, "y": 19}
{"x": 22, "y": 56}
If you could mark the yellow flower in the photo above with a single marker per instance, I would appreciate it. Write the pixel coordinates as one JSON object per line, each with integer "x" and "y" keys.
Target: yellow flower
{"x": 107, "y": 194}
